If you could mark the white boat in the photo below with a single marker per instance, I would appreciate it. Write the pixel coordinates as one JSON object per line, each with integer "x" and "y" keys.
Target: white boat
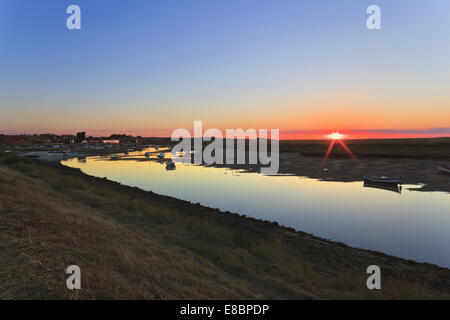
{"x": 444, "y": 168}
{"x": 382, "y": 179}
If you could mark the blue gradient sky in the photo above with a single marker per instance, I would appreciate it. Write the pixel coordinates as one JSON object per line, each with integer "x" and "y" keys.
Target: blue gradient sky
{"x": 147, "y": 67}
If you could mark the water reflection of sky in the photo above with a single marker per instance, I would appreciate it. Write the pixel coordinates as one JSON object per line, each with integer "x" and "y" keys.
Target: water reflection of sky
{"x": 412, "y": 225}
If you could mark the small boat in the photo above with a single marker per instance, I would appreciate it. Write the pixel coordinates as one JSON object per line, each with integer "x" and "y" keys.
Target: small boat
{"x": 161, "y": 155}
{"x": 170, "y": 166}
{"x": 444, "y": 168}
{"x": 147, "y": 154}
{"x": 115, "y": 157}
{"x": 382, "y": 179}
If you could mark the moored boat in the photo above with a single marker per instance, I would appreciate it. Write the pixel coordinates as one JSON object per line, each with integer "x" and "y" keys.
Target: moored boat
{"x": 170, "y": 166}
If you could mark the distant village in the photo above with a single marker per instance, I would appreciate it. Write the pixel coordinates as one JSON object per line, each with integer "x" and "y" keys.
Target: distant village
{"x": 54, "y": 148}
{"x": 50, "y": 140}
{"x": 78, "y": 141}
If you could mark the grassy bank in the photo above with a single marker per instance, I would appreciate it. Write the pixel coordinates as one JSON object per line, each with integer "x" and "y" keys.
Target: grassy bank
{"x": 433, "y": 148}
{"x": 135, "y": 244}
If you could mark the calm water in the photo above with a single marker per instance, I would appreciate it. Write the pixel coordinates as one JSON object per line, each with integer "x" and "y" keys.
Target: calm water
{"x": 412, "y": 225}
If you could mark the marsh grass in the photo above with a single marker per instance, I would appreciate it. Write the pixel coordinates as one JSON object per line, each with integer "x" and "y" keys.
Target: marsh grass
{"x": 438, "y": 148}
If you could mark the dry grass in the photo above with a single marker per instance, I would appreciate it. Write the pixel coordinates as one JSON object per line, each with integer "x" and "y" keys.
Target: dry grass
{"x": 132, "y": 244}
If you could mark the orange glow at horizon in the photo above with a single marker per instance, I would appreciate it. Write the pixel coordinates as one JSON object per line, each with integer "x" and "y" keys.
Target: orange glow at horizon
{"x": 335, "y": 136}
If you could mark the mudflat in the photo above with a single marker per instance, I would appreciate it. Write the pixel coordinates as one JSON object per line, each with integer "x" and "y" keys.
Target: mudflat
{"x": 412, "y": 171}
{"x": 422, "y": 172}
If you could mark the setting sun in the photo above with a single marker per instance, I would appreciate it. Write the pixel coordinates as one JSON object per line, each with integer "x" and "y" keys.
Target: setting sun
{"x": 335, "y": 136}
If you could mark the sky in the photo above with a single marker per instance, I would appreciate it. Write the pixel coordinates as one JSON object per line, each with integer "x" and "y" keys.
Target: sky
{"x": 146, "y": 68}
